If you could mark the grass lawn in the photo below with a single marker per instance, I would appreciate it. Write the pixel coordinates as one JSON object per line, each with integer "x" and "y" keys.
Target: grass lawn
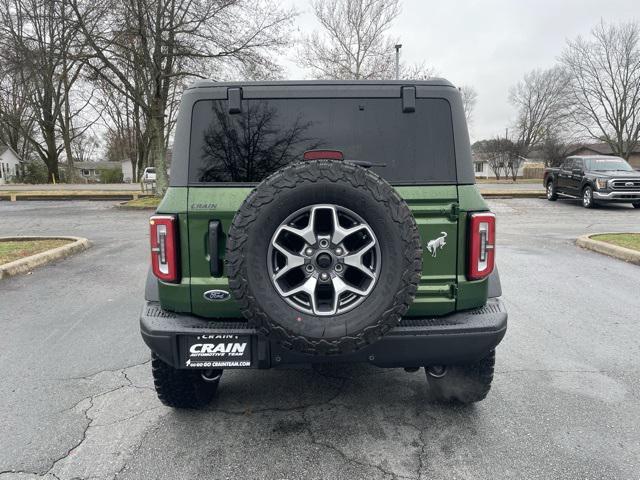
{"x": 627, "y": 240}
{"x": 144, "y": 202}
{"x": 16, "y": 249}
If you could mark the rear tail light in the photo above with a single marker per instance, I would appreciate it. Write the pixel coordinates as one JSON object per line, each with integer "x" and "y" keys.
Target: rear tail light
{"x": 164, "y": 247}
{"x": 482, "y": 238}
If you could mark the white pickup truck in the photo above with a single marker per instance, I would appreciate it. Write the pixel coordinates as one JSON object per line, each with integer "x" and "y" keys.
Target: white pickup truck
{"x": 149, "y": 175}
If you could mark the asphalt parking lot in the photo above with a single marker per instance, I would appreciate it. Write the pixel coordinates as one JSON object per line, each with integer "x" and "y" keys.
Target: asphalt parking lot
{"x": 77, "y": 401}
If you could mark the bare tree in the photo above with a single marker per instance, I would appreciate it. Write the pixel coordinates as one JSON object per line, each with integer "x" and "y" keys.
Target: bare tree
{"x": 605, "y": 84}
{"x": 514, "y": 162}
{"x": 126, "y": 133}
{"x": 354, "y": 43}
{"x": 542, "y": 102}
{"x": 469, "y": 99}
{"x": 555, "y": 149}
{"x": 40, "y": 50}
{"x": 502, "y": 154}
{"x": 168, "y": 42}
{"x": 17, "y": 124}
{"x": 498, "y": 164}
{"x": 414, "y": 71}
{"x": 85, "y": 148}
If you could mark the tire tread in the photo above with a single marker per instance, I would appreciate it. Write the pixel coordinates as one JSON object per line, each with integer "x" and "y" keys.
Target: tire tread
{"x": 180, "y": 388}
{"x": 464, "y": 383}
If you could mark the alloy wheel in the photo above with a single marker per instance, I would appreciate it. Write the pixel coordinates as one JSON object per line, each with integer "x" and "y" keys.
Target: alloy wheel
{"x": 324, "y": 260}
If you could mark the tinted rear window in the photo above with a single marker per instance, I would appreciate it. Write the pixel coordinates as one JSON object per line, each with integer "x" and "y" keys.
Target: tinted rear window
{"x": 416, "y": 147}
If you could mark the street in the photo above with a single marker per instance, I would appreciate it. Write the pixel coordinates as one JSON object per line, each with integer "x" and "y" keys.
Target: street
{"x": 77, "y": 399}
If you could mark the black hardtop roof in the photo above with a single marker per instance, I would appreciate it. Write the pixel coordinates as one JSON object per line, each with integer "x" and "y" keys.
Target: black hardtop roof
{"x": 433, "y": 82}
{"x": 605, "y": 157}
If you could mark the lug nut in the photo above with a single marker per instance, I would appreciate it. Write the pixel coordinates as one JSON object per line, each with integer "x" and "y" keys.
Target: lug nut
{"x": 309, "y": 268}
{"x": 339, "y": 251}
{"x": 308, "y": 252}
{"x": 338, "y": 267}
{"x": 324, "y": 276}
{"x": 324, "y": 243}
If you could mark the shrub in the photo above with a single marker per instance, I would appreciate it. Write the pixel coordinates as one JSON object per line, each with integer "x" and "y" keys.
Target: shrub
{"x": 33, "y": 172}
{"x": 110, "y": 175}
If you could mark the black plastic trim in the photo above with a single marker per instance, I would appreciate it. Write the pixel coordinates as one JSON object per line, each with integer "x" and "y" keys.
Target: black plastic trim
{"x": 458, "y": 338}
{"x": 215, "y": 262}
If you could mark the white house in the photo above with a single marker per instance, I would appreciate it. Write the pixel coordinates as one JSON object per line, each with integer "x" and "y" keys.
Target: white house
{"x": 127, "y": 168}
{"x": 9, "y": 164}
{"x": 483, "y": 169}
{"x": 127, "y": 171}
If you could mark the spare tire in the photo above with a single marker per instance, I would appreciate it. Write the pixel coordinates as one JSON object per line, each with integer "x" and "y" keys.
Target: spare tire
{"x": 324, "y": 256}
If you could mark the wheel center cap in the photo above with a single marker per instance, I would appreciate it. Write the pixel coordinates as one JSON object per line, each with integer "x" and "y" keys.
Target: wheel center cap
{"x": 324, "y": 260}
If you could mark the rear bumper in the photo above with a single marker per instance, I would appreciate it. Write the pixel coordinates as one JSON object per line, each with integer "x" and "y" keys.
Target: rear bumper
{"x": 459, "y": 338}
{"x": 619, "y": 196}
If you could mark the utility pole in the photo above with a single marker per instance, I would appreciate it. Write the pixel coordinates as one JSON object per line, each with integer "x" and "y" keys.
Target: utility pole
{"x": 398, "y": 47}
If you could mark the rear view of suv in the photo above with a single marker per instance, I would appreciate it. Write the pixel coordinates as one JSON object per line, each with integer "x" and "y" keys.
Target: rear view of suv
{"x": 316, "y": 222}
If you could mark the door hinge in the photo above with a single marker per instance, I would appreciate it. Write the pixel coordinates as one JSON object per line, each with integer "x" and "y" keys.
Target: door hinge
{"x": 234, "y": 96}
{"x": 453, "y": 290}
{"x": 454, "y": 212}
{"x": 408, "y": 99}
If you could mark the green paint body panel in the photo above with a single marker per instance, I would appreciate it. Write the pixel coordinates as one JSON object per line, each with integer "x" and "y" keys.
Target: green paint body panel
{"x": 435, "y": 211}
{"x": 438, "y": 210}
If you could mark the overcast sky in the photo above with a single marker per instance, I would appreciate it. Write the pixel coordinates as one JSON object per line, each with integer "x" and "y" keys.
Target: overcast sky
{"x": 489, "y": 44}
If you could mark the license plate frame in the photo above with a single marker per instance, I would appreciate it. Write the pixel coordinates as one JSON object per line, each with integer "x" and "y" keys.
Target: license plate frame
{"x": 215, "y": 351}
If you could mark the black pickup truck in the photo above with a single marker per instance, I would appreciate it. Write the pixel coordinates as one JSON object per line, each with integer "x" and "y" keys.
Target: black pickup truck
{"x": 594, "y": 179}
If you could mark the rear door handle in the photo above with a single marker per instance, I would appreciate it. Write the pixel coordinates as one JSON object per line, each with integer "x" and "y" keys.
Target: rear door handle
{"x": 215, "y": 237}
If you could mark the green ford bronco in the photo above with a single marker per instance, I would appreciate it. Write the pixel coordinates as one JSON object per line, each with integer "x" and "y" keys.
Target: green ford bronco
{"x": 316, "y": 222}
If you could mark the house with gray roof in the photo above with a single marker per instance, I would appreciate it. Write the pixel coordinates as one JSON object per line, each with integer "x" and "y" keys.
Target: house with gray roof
{"x": 90, "y": 171}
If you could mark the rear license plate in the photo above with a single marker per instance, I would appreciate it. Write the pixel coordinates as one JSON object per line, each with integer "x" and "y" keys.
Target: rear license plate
{"x": 215, "y": 351}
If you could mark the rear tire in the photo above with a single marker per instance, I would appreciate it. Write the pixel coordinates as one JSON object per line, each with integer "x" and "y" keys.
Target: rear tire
{"x": 182, "y": 388}
{"x": 461, "y": 383}
{"x": 552, "y": 195}
{"x": 636, "y": 204}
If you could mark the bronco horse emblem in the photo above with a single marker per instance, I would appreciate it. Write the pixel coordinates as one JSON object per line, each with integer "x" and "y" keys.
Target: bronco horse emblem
{"x": 436, "y": 243}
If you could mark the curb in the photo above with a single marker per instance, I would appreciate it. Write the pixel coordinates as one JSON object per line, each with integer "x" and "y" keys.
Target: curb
{"x": 24, "y": 265}
{"x": 512, "y": 194}
{"x": 124, "y": 206}
{"x": 621, "y": 253}
{"x": 54, "y": 195}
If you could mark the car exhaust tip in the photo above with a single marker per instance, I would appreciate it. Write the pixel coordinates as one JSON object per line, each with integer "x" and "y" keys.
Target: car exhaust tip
{"x": 436, "y": 371}
{"x": 211, "y": 375}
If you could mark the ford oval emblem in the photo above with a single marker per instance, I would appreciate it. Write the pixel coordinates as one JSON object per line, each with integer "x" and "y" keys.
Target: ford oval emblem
{"x": 216, "y": 295}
